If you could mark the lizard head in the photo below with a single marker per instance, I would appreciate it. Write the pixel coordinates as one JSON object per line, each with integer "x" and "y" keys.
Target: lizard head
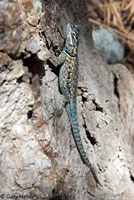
{"x": 72, "y": 39}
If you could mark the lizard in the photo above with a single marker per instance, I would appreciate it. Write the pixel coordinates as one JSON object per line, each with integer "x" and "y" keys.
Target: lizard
{"x": 68, "y": 83}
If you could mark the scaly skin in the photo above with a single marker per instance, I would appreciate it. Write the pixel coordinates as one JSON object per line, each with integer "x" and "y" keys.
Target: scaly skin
{"x": 68, "y": 81}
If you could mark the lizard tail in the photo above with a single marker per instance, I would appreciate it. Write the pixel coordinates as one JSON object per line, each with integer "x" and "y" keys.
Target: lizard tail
{"x": 72, "y": 112}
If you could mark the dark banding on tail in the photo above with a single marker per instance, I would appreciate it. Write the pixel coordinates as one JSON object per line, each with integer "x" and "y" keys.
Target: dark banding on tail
{"x": 72, "y": 112}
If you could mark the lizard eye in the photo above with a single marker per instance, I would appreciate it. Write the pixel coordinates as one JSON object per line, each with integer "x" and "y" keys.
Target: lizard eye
{"x": 73, "y": 34}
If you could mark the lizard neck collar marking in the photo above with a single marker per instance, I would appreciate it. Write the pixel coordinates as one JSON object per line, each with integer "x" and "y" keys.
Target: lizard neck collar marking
{"x": 66, "y": 50}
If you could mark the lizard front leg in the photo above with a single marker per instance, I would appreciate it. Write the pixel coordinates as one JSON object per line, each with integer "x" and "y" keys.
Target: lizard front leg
{"x": 56, "y": 61}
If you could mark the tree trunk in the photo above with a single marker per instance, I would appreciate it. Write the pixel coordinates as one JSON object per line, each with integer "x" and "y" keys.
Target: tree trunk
{"x": 38, "y": 156}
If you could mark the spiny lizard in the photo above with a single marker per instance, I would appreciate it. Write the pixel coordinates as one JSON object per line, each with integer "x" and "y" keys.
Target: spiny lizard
{"x": 68, "y": 82}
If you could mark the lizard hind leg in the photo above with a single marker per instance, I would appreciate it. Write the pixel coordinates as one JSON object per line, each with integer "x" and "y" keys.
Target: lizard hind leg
{"x": 63, "y": 105}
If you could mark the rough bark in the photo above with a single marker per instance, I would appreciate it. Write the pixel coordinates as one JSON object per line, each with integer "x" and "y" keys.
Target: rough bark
{"x": 38, "y": 156}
